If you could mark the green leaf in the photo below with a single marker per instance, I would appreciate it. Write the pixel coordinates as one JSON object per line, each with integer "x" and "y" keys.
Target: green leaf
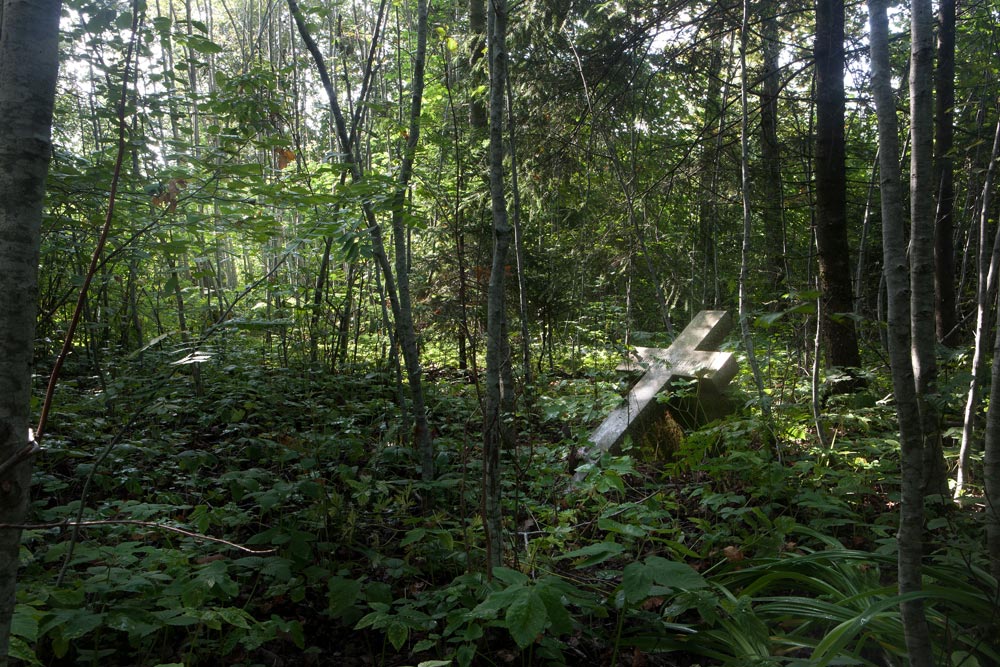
{"x": 214, "y": 576}
{"x": 412, "y": 536}
{"x": 680, "y": 576}
{"x": 594, "y": 553}
{"x": 636, "y": 580}
{"x": 424, "y": 645}
{"x": 342, "y": 594}
{"x": 137, "y": 623}
{"x": 465, "y": 654}
{"x": 397, "y": 634}
{"x": 25, "y": 622}
{"x": 21, "y": 650}
{"x": 562, "y": 622}
{"x": 235, "y": 617}
{"x": 496, "y": 601}
{"x": 509, "y": 576}
{"x": 526, "y": 617}
{"x": 613, "y": 526}
{"x": 202, "y": 44}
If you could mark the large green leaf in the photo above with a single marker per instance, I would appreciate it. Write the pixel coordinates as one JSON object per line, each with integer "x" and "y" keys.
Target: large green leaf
{"x": 594, "y": 553}
{"x": 636, "y": 580}
{"x": 526, "y": 616}
{"x": 679, "y": 576}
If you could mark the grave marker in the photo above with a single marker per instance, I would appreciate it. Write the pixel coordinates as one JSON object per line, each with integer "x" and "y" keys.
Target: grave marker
{"x": 691, "y": 355}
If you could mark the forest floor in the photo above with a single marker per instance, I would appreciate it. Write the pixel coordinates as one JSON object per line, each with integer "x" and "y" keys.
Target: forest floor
{"x": 744, "y": 543}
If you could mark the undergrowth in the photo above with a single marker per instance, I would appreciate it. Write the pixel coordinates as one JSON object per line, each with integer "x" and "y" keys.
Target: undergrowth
{"x": 751, "y": 545}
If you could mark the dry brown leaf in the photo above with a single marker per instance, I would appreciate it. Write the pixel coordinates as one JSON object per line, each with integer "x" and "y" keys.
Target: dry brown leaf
{"x": 283, "y": 157}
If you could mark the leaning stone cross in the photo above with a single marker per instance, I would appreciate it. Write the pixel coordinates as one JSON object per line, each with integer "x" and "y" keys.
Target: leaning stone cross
{"x": 692, "y": 355}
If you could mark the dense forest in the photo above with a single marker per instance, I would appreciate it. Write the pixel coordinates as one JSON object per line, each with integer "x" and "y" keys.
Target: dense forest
{"x": 308, "y": 310}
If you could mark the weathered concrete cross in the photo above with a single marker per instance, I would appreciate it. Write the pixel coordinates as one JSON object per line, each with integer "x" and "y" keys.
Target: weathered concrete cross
{"x": 690, "y": 355}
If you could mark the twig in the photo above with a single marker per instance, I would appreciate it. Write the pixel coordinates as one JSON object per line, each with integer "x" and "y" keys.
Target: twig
{"x": 135, "y": 522}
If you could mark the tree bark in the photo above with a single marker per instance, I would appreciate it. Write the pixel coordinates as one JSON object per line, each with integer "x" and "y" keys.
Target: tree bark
{"x": 494, "y": 434}
{"x": 922, "y": 312}
{"x": 29, "y": 57}
{"x": 899, "y": 284}
{"x": 772, "y": 200}
{"x": 987, "y": 266}
{"x": 831, "y": 188}
{"x": 404, "y": 320}
{"x": 944, "y": 251}
{"x": 477, "y": 31}
{"x": 991, "y": 467}
{"x": 747, "y": 214}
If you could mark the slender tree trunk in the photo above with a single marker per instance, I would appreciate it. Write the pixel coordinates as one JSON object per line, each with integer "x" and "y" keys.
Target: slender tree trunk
{"x": 921, "y": 246}
{"x": 898, "y": 283}
{"x": 991, "y": 466}
{"x": 944, "y": 251}
{"x": 772, "y": 210}
{"x": 494, "y": 435}
{"x": 522, "y": 286}
{"x": 404, "y": 321}
{"x": 988, "y": 265}
{"x": 29, "y": 59}
{"x": 747, "y": 214}
{"x": 708, "y": 176}
{"x": 318, "y": 292}
{"x": 477, "y": 47}
{"x": 831, "y": 188}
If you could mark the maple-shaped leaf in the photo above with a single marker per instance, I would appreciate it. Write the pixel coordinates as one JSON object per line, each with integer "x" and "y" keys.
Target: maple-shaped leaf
{"x": 283, "y": 157}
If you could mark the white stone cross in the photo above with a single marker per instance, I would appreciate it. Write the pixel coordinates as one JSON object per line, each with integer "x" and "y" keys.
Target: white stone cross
{"x": 690, "y": 355}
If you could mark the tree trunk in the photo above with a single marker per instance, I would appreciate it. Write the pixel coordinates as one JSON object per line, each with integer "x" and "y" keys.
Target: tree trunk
{"x": 747, "y": 214}
{"x": 494, "y": 435}
{"x": 831, "y": 188}
{"x": 404, "y": 318}
{"x": 922, "y": 313}
{"x": 897, "y": 276}
{"x": 944, "y": 251}
{"x": 987, "y": 267}
{"x": 991, "y": 467}
{"x": 29, "y": 59}
{"x": 477, "y": 31}
{"x": 772, "y": 200}
{"x": 522, "y": 286}
{"x": 404, "y": 321}
{"x": 708, "y": 175}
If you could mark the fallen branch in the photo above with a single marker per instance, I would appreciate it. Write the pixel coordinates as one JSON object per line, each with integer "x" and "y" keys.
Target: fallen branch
{"x": 135, "y": 522}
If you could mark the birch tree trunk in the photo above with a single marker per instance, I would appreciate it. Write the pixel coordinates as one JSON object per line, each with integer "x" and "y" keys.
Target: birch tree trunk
{"x": 897, "y": 276}
{"x": 29, "y": 57}
{"x": 493, "y": 426}
{"x": 988, "y": 263}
